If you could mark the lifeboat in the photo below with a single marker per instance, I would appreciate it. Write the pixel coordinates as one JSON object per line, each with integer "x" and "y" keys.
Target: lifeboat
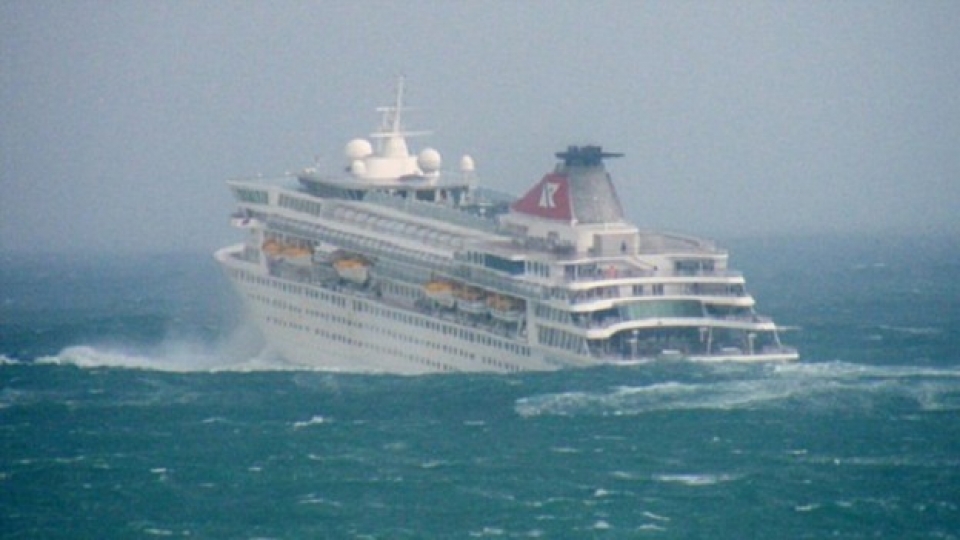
{"x": 272, "y": 248}
{"x": 291, "y": 253}
{"x": 471, "y": 300}
{"x": 441, "y": 293}
{"x": 295, "y": 252}
{"x": 505, "y": 308}
{"x": 297, "y": 255}
{"x": 353, "y": 269}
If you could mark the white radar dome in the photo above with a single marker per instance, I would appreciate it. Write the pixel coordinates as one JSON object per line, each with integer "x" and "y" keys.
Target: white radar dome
{"x": 429, "y": 160}
{"x": 358, "y": 167}
{"x": 466, "y": 164}
{"x": 358, "y": 149}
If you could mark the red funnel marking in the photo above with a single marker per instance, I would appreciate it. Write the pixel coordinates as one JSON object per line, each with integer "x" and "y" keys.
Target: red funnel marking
{"x": 549, "y": 199}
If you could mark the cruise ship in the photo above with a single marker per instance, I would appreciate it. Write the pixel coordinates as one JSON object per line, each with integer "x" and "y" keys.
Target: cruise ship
{"x": 395, "y": 265}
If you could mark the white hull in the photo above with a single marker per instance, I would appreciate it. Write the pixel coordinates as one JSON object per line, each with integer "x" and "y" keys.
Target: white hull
{"x": 344, "y": 331}
{"x": 339, "y": 331}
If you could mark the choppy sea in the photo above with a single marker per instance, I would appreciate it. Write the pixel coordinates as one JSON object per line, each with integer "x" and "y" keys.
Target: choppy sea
{"x": 137, "y": 402}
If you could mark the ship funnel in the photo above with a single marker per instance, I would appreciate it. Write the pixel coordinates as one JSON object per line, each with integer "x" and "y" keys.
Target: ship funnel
{"x": 578, "y": 191}
{"x": 585, "y": 156}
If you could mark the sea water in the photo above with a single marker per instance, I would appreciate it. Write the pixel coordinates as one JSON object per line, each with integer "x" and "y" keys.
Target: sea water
{"x": 136, "y": 401}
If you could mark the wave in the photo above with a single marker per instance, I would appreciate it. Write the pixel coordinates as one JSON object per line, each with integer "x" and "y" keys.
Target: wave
{"x": 241, "y": 350}
{"x": 695, "y": 480}
{"x": 912, "y": 330}
{"x": 651, "y": 398}
{"x": 7, "y": 361}
{"x": 824, "y": 385}
{"x": 847, "y": 370}
{"x": 313, "y": 421}
{"x": 173, "y": 358}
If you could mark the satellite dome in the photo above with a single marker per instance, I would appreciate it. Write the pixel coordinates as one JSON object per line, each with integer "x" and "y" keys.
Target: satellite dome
{"x": 358, "y": 149}
{"x": 466, "y": 164}
{"x": 429, "y": 160}
{"x": 358, "y": 167}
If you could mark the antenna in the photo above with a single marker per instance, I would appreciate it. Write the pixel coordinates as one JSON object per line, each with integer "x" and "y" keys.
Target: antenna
{"x": 399, "y": 106}
{"x": 390, "y": 122}
{"x": 390, "y": 125}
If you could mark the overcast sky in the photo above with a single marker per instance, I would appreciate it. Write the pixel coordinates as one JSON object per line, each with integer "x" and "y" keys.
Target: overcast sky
{"x": 121, "y": 121}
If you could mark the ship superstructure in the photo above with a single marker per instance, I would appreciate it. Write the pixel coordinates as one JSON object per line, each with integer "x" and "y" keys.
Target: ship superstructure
{"x": 395, "y": 266}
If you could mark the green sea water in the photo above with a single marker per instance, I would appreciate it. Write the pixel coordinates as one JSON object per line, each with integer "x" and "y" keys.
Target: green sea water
{"x": 135, "y": 401}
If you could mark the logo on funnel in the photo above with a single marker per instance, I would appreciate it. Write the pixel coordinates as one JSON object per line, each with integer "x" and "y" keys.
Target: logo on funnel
{"x": 547, "y": 193}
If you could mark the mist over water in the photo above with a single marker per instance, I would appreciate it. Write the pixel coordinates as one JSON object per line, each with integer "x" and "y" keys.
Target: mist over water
{"x": 136, "y": 400}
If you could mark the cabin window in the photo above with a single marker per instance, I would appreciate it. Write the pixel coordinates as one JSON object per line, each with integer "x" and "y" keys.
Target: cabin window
{"x": 693, "y": 267}
{"x": 503, "y": 265}
{"x": 252, "y": 195}
{"x": 661, "y": 309}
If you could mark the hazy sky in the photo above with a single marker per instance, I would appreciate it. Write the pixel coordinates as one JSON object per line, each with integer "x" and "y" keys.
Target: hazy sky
{"x": 120, "y": 121}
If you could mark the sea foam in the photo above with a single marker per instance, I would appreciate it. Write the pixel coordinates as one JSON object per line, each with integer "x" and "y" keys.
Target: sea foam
{"x": 173, "y": 357}
{"x": 819, "y": 385}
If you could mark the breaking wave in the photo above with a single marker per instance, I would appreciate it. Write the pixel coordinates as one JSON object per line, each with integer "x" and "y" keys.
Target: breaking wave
{"x": 242, "y": 350}
{"x": 173, "y": 358}
{"x": 7, "y": 361}
{"x": 825, "y": 385}
{"x": 695, "y": 479}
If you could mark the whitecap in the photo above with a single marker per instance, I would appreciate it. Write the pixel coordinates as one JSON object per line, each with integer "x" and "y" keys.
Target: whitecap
{"x": 313, "y": 421}
{"x": 825, "y": 384}
{"x": 176, "y": 359}
{"x": 7, "y": 361}
{"x": 488, "y": 531}
{"x": 315, "y": 499}
{"x": 695, "y": 480}
{"x": 913, "y": 330}
{"x": 847, "y": 370}
{"x": 625, "y": 400}
{"x": 173, "y": 357}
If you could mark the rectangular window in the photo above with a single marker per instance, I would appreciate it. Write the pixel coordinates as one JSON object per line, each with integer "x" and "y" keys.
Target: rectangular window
{"x": 503, "y": 265}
